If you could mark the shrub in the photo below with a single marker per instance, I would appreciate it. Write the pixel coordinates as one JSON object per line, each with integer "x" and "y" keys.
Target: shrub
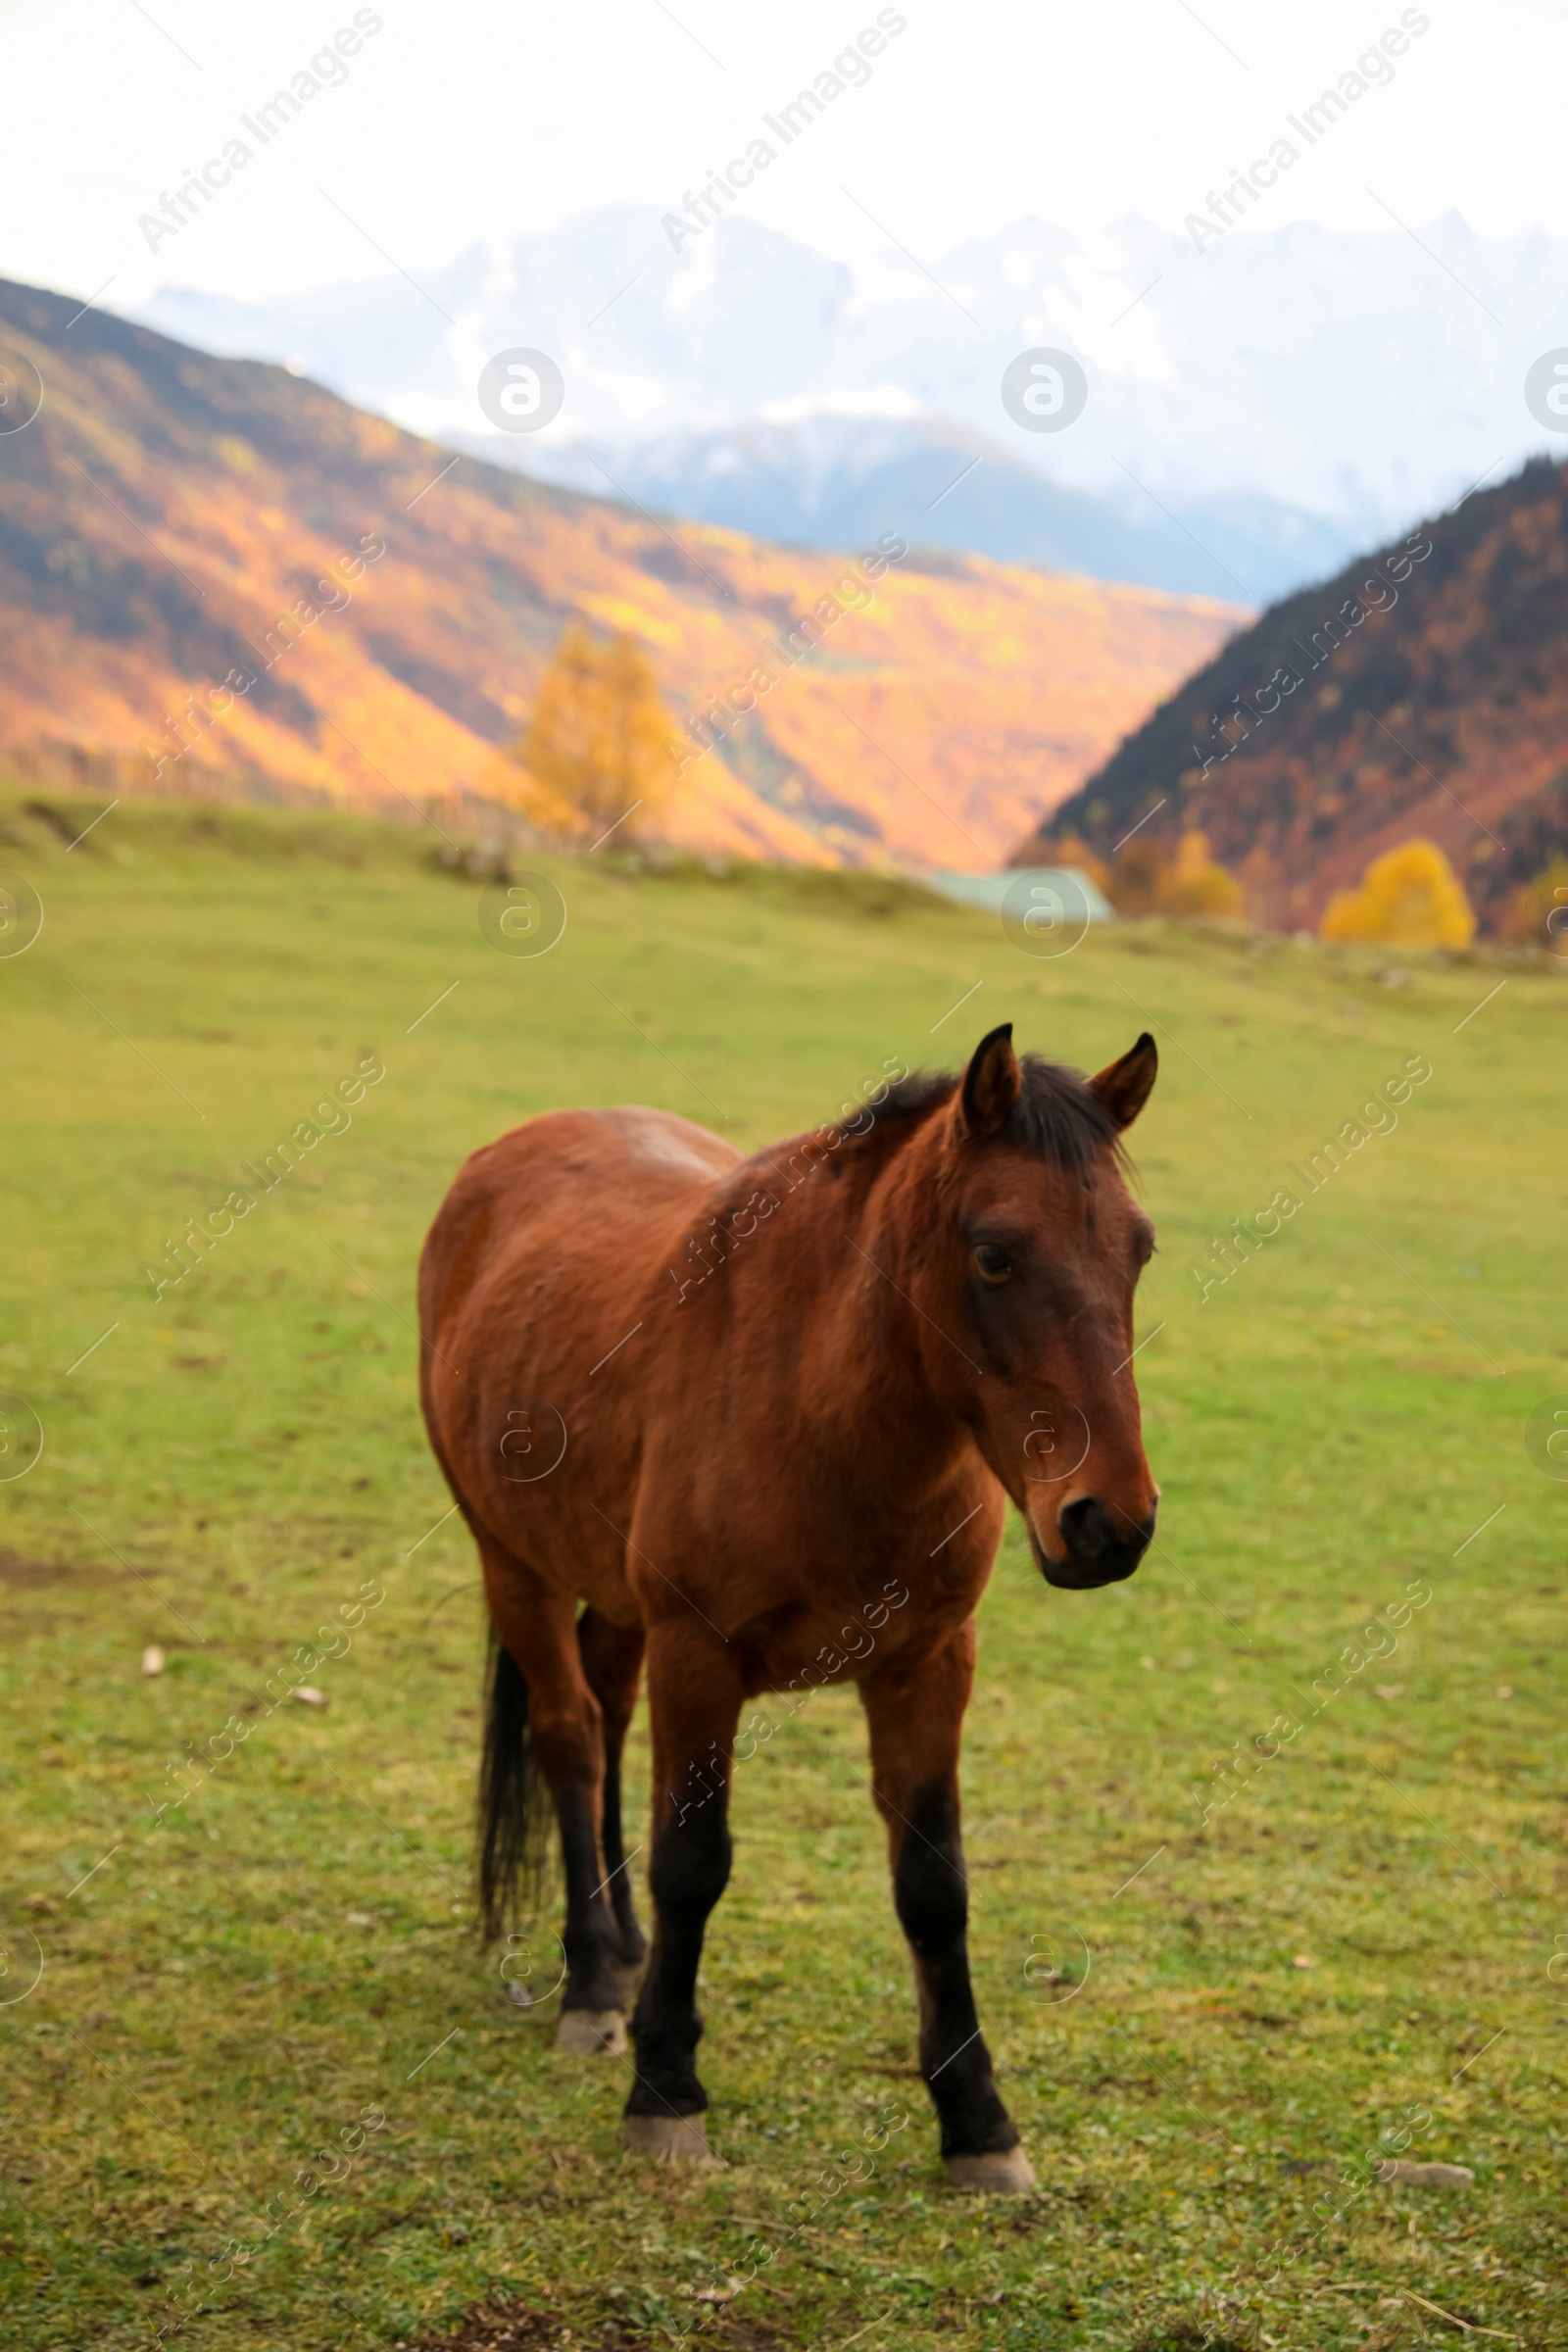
{"x": 1537, "y": 911}
{"x": 1195, "y": 884}
{"x": 1144, "y": 879}
{"x": 1409, "y": 898}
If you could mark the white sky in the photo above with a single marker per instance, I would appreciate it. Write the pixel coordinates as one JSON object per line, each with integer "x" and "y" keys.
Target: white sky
{"x": 460, "y": 123}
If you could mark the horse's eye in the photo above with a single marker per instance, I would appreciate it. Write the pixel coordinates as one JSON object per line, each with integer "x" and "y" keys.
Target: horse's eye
{"x": 994, "y": 1263}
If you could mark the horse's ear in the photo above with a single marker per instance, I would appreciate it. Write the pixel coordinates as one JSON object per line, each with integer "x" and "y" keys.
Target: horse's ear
{"x": 991, "y": 1084}
{"x": 1124, "y": 1086}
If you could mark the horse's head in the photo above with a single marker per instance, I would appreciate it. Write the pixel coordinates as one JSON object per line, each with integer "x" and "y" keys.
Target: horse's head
{"x": 1046, "y": 1244}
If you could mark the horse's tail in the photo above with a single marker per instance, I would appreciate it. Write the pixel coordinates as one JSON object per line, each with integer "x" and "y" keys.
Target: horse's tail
{"x": 514, "y": 1801}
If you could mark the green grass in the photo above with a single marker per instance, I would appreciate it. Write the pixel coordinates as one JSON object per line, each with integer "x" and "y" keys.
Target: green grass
{"x": 236, "y": 1983}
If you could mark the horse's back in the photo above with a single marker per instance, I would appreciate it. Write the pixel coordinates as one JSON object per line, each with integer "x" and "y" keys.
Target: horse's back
{"x": 537, "y": 1170}
{"x": 525, "y": 1283}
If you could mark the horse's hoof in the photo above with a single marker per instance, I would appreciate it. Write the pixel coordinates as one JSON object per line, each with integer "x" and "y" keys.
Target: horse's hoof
{"x": 1007, "y": 2176}
{"x": 669, "y": 2138}
{"x": 592, "y": 2032}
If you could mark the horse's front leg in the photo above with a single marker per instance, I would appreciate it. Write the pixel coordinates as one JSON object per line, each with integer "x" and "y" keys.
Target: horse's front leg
{"x": 915, "y": 1715}
{"x": 694, "y": 1698}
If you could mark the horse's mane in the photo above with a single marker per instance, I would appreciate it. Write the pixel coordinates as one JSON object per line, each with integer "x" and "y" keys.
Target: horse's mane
{"x": 1057, "y": 1113}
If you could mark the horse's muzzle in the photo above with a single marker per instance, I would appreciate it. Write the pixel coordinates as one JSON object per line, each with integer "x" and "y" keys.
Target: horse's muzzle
{"x": 1102, "y": 1547}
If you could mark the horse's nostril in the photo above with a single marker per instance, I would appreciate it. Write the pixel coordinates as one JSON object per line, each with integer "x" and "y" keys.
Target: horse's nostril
{"x": 1103, "y": 1545}
{"x": 1086, "y": 1528}
{"x": 1091, "y": 1533}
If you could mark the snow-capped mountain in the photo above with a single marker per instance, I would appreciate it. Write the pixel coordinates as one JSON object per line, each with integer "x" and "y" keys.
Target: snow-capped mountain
{"x": 1255, "y": 411}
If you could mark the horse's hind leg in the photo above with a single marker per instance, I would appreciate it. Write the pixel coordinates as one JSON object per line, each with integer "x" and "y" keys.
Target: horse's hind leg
{"x": 566, "y": 1727}
{"x": 915, "y": 1715}
{"x": 611, "y": 1661}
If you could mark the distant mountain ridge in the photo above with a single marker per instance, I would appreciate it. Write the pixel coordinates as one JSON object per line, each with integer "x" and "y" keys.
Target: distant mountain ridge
{"x": 1257, "y": 411}
{"x": 224, "y": 577}
{"x": 1424, "y": 691}
{"x": 815, "y": 482}
{"x": 830, "y": 480}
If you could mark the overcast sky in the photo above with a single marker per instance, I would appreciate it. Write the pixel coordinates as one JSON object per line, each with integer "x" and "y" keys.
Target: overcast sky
{"x": 456, "y": 123}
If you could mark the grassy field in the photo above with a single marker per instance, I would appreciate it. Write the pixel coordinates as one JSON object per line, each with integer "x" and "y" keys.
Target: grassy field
{"x": 1219, "y": 1959}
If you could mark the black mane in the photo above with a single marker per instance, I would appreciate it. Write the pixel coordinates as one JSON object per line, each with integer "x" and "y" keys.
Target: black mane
{"x": 1057, "y": 1113}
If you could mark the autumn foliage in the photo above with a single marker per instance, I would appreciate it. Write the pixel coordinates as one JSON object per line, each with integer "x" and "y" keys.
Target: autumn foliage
{"x": 1195, "y": 884}
{"x": 595, "y": 753}
{"x": 1537, "y": 913}
{"x": 1409, "y": 898}
{"x": 1145, "y": 879}
{"x": 912, "y": 736}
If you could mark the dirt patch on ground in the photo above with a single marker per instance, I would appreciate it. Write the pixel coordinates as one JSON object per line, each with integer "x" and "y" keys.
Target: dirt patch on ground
{"x": 494, "y": 2326}
{"x": 506, "y": 2325}
{"x": 1185, "y": 2335}
{"x": 23, "y": 1574}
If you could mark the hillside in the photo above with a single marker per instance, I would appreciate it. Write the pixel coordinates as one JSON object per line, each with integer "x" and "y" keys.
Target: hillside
{"x": 165, "y": 508}
{"x": 1421, "y": 692}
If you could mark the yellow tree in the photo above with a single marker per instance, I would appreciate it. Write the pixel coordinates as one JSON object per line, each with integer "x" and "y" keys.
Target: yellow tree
{"x": 1409, "y": 898}
{"x": 1539, "y": 910}
{"x": 1144, "y": 881}
{"x": 595, "y": 748}
{"x": 1195, "y": 884}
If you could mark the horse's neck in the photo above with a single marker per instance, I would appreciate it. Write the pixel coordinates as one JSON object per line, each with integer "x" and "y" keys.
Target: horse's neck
{"x": 872, "y": 1225}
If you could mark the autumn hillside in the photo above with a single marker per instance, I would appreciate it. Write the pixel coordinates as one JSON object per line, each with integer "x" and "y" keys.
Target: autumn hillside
{"x": 165, "y": 508}
{"x": 1423, "y": 693}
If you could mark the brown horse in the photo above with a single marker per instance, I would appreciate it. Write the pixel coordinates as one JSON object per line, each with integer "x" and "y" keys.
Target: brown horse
{"x": 762, "y": 1417}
